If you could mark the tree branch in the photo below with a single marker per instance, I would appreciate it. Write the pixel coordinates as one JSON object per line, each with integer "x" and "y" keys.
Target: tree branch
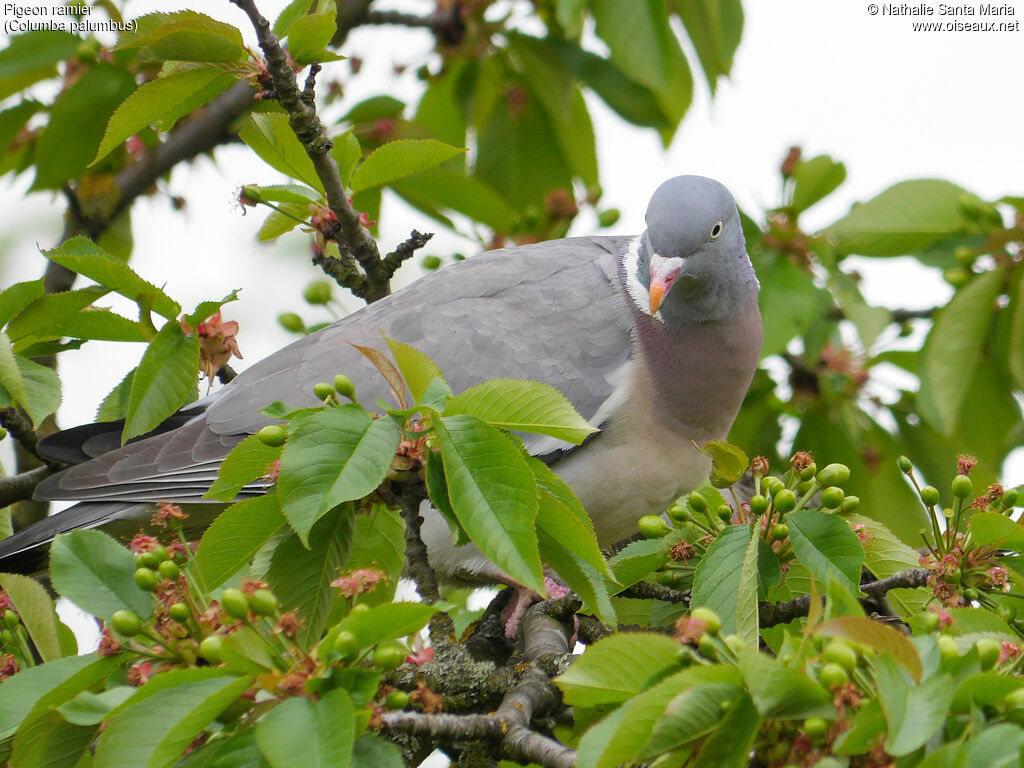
{"x": 445, "y": 23}
{"x": 20, "y": 428}
{"x": 408, "y": 500}
{"x": 20, "y": 487}
{"x": 303, "y": 118}
{"x": 405, "y": 251}
{"x": 646, "y": 591}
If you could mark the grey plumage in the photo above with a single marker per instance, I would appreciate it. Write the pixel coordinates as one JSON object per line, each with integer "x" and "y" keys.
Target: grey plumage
{"x": 572, "y": 313}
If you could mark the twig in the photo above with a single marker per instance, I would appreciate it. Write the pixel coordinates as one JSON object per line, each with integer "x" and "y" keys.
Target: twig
{"x": 20, "y": 428}
{"x": 405, "y": 251}
{"x": 20, "y": 487}
{"x": 646, "y": 590}
{"x": 408, "y": 500}
{"x": 446, "y": 24}
{"x": 302, "y": 117}
{"x": 909, "y": 579}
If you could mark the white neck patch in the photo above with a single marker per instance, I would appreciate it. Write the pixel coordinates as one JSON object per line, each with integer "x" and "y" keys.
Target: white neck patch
{"x": 636, "y": 290}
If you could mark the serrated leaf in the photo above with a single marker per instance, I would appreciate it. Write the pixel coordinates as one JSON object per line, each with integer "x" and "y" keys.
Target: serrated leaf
{"x": 913, "y": 713}
{"x": 782, "y": 693}
{"x": 446, "y": 190}
{"x": 184, "y": 36}
{"x": 389, "y": 621}
{"x": 163, "y": 101}
{"x": 996, "y": 530}
{"x": 879, "y": 637}
{"x": 15, "y": 298}
{"x": 97, "y": 573}
{"x": 815, "y": 179}
{"x": 746, "y": 603}
{"x": 885, "y": 555}
{"x": 524, "y": 406}
{"x": 164, "y": 380}
{"x": 696, "y": 710}
{"x": 398, "y": 159}
{"x": 317, "y": 735}
{"x": 115, "y": 405}
{"x": 729, "y": 745}
{"x": 332, "y": 456}
{"x": 416, "y": 368}
{"x": 388, "y": 370}
{"x": 308, "y": 35}
{"x": 283, "y": 221}
{"x": 580, "y": 576}
{"x": 346, "y": 153}
{"x": 905, "y": 218}
{"x": 378, "y": 541}
{"x": 493, "y": 494}
{"x": 81, "y": 255}
{"x": 230, "y": 543}
{"x": 637, "y": 560}
{"x": 715, "y": 28}
{"x": 36, "y": 611}
{"x": 728, "y": 462}
{"x": 247, "y": 462}
{"x": 31, "y": 57}
{"x": 827, "y": 547}
{"x": 716, "y": 583}
{"x": 135, "y": 737}
{"x": 617, "y": 667}
{"x": 269, "y": 135}
{"x": 94, "y": 324}
{"x": 52, "y": 308}
{"x": 33, "y": 685}
{"x": 88, "y": 708}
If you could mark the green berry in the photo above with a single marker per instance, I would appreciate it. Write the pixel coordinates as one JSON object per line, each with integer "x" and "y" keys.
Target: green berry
{"x": 7, "y": 638}
{"x": 272, "y": 435}
{"x": 834, "y": 474}
{"x": 161, "y": 553}
{"x": 809, "y": 471}
{"x": 180, "y": 612}
{"x": 653, "y": 526}
{"x": 679, "y": 513}
{"x": 169, "y": 570}
{"x": 904, "y": 464}
{"x": 291, "y": 322}
{"x": 697, "y": 502}
{"x": 146, "y": 579}
{"x": 126, "y": 623}
{"x": 1014, "y": 699}
{"x": 785, "y": 501}
{"x": 396, "y": 700}
{"x": 709, "y": 617}
{"x": 772, "y": 485}
{"x": 263, "y": 602}
{"x": 971, "y": 594}
{"x": 832, "y": 497}
{"x": 431, "y": 262}
{"x": 804, "y": 486}
{"x": 210, "y": 648}
{"x": 734, "y": 642}
{"x": 930, "y": 495}
{"x": 957, "y": 277}
{"x": 147, "y": 560}
{"x": 706, "y": 646}
{"x": 346, "y": 645}
{"x": 343, "y": 386}
{"x": 11, "y": 620}
{"x": 235, "y": 603}
{"x": 1009, "y": 498}
{"x": 389, "y": 656}
{"x": 948, "y": 647}
{"x": 758, "y": 505}
{"x": 322, "y": 390}
{"x": 931, "y": 622}
{"x": 609, "y": 217}
{"x": 815, "y": 728}
{"x": 780, "y": 532}
{"x": 850, "y": 503}
{"x": 988, "y": 652}
{"x": 841, "y": 654}
{"x": 318, "y": 292}
{"x": 833, "y": 676}
{"x": 962, "y": 486}
{"x": 724, "y": 513}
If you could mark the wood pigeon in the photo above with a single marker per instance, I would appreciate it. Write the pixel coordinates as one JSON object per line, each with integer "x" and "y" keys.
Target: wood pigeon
{"x": 654, "y": 340}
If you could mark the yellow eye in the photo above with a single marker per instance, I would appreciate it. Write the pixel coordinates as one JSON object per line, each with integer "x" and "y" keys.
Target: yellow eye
{"x": 716, "y": 230}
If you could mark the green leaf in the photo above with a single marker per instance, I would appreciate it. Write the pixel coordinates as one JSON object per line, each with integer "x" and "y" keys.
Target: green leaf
{"x": 40, "y": 684}
{"x": 269, "y": 135}
{"x": 580, "y": 576}
{"x": 18, "y": 296}
{"x": 11, "y": 378}
{"x": 827, "y": 547}
{"x": 617, "y": 667}
{"x": 52, "y": 308}
{"x": 97, "y": 573}
{"x": 34, "y": 387}
{"x": 885, "y": 555}
{"x": 695, "y": 711}
{"x": 452, "y": 191}
{"x": 245, "y": 651}
{"x": 332, "y": 456}
{"x": 790, "y": 303}
{"x": 398, "y": 159}
{"x": 378, "y": 541}
{"x": 96, "y": 324}
{"x": 913, "y": 713}
{"x": 373, "y": 109}
{"x": 729, "y": 745}
{"x": 866, "y": 728}
{"x": 1015, "y": 348}
{"x": 388, "y": 621}
{"x": 36, "y": 611}
{"x": 715, "y": 28}
{"x": 184, "y": 36}
{"x": 115, "y": 405}
{"x": 75, "y": 128}
{"x": 308, "y": 35}
{"x": 81, "y": 255}
{"x": 417, "y": 369}
{"x": 954, "y": 348}
{"x": 815, "y": 179}
{"x": 163, "y": 101}
{"x": 299, "y": 732}
{"x": 877, "y": 636}
{"x": 32, "y": 56}
{"x": 644, "y": 46}
{"x": 525, "y": 406}
{"x": 639, "y": 559}
{"x": 371, "y": 751}
{"x": 346, "y": 153}
{"x": 493, "y": 494}
{"x": 782, "y": 693}
{"x": 747, "y": 591}
{"x": 230, "y": 543}
{"x": 247, "y": 462}
{"x": 301, "y": 577}
{"x": 165, "y": 378}
{"x": 996, "y": 530}
{"x": 905, "y": 218}
{"x": 869, "y": 321}
{"x": 717, "y": 581}
{"x": 283, "y": 221}
{"x": 88, "y": 708}
{"x": 728, "y": 463}
{"x": 136, "y": 736}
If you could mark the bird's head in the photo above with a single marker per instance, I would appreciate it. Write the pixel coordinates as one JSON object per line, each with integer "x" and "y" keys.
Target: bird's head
{"x": 691, "y": 264}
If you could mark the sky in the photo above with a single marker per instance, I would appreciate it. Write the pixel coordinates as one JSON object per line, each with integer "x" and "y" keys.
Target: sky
{"x": 889, "y": 102}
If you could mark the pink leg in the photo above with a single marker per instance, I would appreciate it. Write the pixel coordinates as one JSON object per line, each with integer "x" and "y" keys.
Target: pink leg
{"x": 523, "y": 598}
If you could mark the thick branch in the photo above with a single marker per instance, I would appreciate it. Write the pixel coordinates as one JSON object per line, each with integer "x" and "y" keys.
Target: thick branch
{"x": 445, "y": 23}
{"x": 302, "y": 117}
{"x": 20, "y": 487}
{"x": 408, "y": 500}
{"x": 20, "y": 428}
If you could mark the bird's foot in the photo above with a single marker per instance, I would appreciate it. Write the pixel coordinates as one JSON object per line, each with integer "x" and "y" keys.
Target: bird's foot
{"x": 523, "y": 598}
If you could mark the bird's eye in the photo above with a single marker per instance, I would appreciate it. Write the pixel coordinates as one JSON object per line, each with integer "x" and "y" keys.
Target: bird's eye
{"x": 716, "y": 230}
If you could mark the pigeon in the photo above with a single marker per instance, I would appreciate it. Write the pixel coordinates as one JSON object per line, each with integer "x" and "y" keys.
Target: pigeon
{"x": 654, "y": 339}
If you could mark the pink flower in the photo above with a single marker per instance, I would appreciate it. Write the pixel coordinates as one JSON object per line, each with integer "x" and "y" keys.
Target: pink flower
{"x": 359, "y": 581}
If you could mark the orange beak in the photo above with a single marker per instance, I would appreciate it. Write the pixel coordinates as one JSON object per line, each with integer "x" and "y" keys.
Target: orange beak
{"x": 657, "y": 294}
{"x": 664, "y": 273}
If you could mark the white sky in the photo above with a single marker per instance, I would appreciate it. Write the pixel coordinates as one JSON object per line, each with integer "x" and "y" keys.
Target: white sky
{"x": 890, "y": 103}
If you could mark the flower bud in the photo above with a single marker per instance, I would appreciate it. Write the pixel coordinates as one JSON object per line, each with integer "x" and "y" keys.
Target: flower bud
{"x": 291, "y": 322}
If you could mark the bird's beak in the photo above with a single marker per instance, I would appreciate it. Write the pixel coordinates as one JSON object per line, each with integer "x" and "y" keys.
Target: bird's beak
{"x": 664, "y": 273}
